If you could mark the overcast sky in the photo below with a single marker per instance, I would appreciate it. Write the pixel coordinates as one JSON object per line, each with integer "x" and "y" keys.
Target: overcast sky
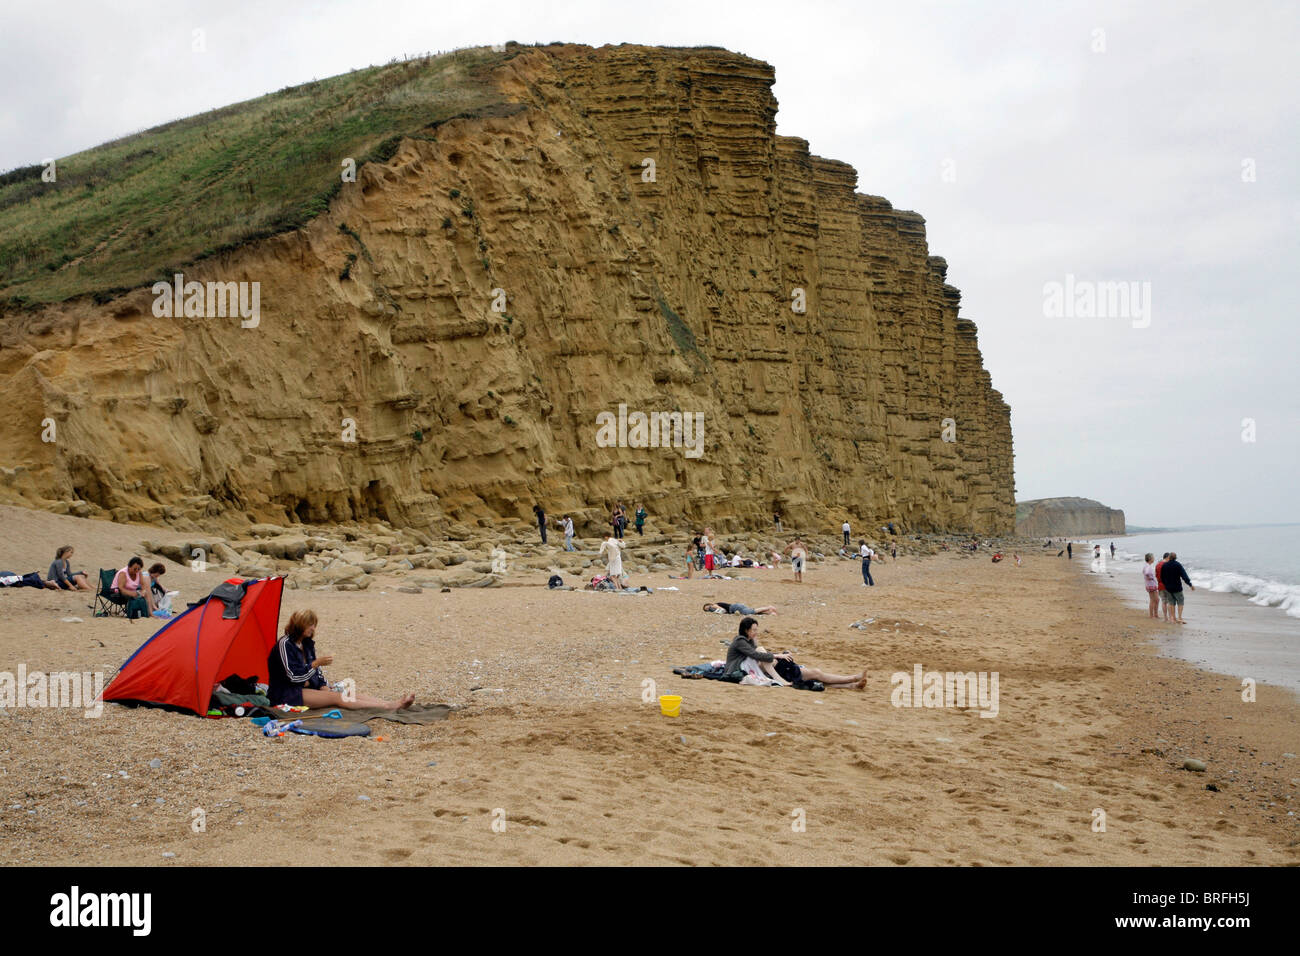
{"x": 1152, "y": 145}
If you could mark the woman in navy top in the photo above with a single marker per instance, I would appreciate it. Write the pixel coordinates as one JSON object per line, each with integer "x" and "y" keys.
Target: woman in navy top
{"x": 297, "y": 678}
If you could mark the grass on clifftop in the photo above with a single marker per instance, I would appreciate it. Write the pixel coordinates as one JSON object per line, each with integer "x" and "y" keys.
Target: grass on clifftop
{"x": 132, "y": 211}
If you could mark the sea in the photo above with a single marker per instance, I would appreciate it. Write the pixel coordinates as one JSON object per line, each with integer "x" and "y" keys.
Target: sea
{"x": 1244, "y": 617}
{"x": 1261, "y": 563}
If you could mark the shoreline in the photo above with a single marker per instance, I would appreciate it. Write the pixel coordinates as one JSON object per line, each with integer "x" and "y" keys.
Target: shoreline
{"x": 1225, "y": 633}
{"x": 557, "y": 738}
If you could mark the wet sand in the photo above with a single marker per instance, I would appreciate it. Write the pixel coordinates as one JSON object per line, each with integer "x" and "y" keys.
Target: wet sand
{"x": 1223, "y": 633}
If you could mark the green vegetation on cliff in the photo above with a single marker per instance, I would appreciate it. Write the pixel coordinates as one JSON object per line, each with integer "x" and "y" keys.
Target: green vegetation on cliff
{"x": 134, "y": 210}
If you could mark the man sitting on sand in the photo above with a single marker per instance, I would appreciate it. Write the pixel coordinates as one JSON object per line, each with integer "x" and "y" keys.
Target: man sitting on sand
{"x": 724, "y": 608}
{"x": 781, "y": 668}
{"x": 297, "y": 678}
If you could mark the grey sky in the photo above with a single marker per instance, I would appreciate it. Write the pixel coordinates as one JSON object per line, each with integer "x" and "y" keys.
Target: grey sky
{"x": 1030, "y": 155}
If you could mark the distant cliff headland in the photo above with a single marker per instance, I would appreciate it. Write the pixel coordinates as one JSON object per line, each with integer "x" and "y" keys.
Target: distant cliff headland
{"x": 1048, "y": 517}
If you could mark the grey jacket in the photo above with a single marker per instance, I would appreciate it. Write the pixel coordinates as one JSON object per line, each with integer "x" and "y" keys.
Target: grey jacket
{"x": 741, "y": 648}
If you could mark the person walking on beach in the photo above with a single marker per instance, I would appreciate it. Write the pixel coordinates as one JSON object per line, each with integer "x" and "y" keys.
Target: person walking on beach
{"x": 612, "y": 548}
{"x": 541, "y": 521}
{"x": 1112, "y": 550}
{"x": 568, "y": 533}
{"x": 1152, "y": 584}
{"x": 867, "y": 554}
{"x": 640, "y": 519}
{"x": 1069, "y": 550}
{"x": 1173, "y": 574}
{"x": 845, "y": 528}
{"x": 797, "y": 557}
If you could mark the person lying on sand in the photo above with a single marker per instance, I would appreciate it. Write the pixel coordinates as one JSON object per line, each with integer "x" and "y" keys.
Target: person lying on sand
{"x": 297, "y": 678}
{"x": 723, "y": 608}
{"x": 744, "y": 646}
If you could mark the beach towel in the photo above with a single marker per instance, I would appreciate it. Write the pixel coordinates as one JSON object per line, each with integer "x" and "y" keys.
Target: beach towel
{"x": 328, "y": 727}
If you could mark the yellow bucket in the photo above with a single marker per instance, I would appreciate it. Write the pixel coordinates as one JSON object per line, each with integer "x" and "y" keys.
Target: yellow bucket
{"x": 670, "y": 705}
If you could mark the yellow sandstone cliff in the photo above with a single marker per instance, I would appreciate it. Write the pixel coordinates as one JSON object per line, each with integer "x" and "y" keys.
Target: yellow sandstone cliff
{"x": 664, "y": 287}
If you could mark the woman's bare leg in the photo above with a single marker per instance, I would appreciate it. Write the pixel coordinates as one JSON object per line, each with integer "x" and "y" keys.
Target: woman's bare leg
{"x": 770, "y": 670}
{"x": 858, "y": 680}
{"x": 332, "y": 698}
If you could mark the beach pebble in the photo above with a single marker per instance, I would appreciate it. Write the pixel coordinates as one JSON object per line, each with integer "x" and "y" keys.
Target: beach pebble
{"x": 71, "y": 620}
{"x": 169, "y": 855}
{"x": 363, "y": 797}
{"x": 1059, "y": 786}
{"x": 1196, "y": 765}
{"x": 682, "y": 739}
{"x": 852, "y": 723}
{"x": 155, "y": 763}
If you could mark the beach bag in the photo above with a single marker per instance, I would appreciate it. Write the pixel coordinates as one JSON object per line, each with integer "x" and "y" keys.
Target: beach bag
{"x": 555, "y": 582}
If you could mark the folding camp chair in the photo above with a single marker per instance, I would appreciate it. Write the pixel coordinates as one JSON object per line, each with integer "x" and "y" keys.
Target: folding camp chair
{"x": 104, "y": 606}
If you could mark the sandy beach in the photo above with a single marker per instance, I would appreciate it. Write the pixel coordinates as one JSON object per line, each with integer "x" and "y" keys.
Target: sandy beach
{"x": 559, "y": 745}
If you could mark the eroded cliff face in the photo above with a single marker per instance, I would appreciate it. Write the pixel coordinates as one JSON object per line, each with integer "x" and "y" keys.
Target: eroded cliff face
{"x": 664, "y": 293}
{"x": 1048, "y": 517}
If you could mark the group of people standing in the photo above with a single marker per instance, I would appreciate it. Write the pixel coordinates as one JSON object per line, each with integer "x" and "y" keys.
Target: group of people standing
{"x": 617, "y": 521}
{"x": 1164, "y": 580}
